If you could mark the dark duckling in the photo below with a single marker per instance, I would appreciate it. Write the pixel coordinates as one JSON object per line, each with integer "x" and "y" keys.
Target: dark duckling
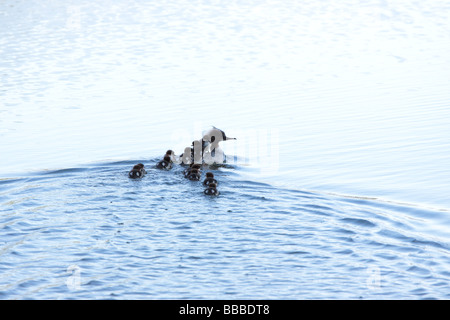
{"x": 194, "y": 175}
{"x": 171, "y": 154}
{"x": 191, "y": 167}
{"x": 209, "y": 179}
{"x": 165, "y": 164}
{"x": 138, "y": 171}
{"x": 211, "y": 190}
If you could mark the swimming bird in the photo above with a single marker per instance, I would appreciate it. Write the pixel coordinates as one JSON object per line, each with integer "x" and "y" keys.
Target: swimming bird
{"x": 211, "y": 134}
{"x": 212, "y": 153}
{"x": 191, "y": 167}
{"x": 165, "y": 164}
{"x": 207, "y": 148}
{"x": 172, "y": 155}
{"x": 138, "y": 171}
{"x": 194, "y": 175}
{"x": 211, "y": 190}
{"x": 209, "y": 179}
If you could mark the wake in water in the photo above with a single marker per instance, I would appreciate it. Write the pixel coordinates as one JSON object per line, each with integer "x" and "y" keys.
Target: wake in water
{"x": 157, "y": 237}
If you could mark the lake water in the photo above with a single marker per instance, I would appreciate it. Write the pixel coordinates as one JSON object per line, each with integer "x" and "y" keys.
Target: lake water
{"x": 337, "y": 186}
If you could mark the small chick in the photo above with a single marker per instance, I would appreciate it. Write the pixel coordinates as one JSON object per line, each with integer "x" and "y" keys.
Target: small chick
{"x": 192, "y": 166}
{"x": 194, "y": 175}
{"x": 138, "y": 171}
{"x": 165, "y": 164}
{"x": 209, "y": 179}
{"x": 171, "y": 154}
{"x": 211, "y": 190}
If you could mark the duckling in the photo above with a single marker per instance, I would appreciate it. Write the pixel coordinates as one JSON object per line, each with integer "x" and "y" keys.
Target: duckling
{"x": 194, "y": 175}
{"x": 138, "y": 171}
{"x": 209, "y": 179}
{"x": 191, "y": 167}
{"x": 165, "y": 164}
{"x": 171, "y": 154}
{"x": 211, "y": 190}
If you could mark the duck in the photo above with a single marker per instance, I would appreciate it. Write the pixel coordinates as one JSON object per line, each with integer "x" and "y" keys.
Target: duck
{"x": 209, "y": 179}
{"x": 207, "y": 148}
{"x": 211, "y": 190}
{"x": 212, "y": 153}
{"x": 138, "y": 171}
{"x": 171, "y": 154}
{"x": 194, "y": 175}
{"x": 165, "y": 164}
{"x": 211, "y": 134}
{"x": 191, "y": 167}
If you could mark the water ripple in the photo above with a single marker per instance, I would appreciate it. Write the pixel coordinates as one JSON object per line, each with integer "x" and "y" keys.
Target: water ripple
{"x": 81, "y": 82}
{"x": 150, "y": 234}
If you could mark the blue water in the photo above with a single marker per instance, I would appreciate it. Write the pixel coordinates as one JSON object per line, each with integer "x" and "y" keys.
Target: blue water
{"x": 161, "y": 237}
{"x": 336, "y": 187}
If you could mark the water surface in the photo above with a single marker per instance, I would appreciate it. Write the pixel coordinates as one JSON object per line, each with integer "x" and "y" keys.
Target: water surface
{"x": 93, "y": 233}
{"x": 337, "y": 186}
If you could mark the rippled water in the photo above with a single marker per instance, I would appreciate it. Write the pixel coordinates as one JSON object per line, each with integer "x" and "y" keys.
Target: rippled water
{"x": 337, "y": 186}
{"x": 161, "y": 237}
